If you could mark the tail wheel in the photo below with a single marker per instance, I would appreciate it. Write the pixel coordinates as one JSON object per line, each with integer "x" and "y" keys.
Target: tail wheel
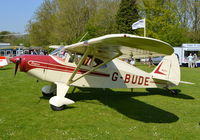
{"x": 173, "y": 92}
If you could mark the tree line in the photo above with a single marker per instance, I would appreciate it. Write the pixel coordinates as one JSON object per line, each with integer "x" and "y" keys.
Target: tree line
{"x": 14, "y": 38}
{"x": 66, "y": 21}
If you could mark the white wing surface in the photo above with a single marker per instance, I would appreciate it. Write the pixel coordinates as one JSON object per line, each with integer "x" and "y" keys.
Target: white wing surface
{"x": 107, "y": 46}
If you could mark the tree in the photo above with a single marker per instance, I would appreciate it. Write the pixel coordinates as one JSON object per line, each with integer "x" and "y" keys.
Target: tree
{"x": 162, "y": 21}
{"x": 41, "y": 26}
{"x": 66, "y": 21}
{"x": 104, "y": 20}
{"x": 126, "y": 16}
{"x": 14, "y": 38}
{"x": 188, "y": 12}
{"x": 4, "y": 36}
{"x": 58, "y": 21}
{"x": 71, "y": 20}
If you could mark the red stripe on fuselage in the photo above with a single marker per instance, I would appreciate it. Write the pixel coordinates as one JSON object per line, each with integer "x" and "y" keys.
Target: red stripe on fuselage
{"x": 51, "y": 64}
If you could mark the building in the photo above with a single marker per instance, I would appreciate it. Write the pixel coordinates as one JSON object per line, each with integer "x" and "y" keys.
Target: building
{"x": 184, "y": 51}
{"x": 3, "y": 45}
{"x": 9, "y": 51}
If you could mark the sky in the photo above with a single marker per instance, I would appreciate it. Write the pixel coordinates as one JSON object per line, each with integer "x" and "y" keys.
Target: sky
{"x": 15, "y": 14}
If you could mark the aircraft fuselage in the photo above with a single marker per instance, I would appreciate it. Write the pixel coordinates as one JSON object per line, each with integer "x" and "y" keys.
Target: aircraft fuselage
{"x": 115, "y": 74}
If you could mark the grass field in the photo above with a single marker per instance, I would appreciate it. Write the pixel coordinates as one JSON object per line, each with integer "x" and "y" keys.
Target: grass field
{"x": 113, "y": 114}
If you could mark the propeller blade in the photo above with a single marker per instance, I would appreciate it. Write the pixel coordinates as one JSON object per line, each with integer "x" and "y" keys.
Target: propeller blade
{"x": 17, "y": 63}
{"x": 16, "y": 67}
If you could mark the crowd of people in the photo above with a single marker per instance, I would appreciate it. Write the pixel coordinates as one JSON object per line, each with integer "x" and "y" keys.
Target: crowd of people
{"x": 39, "y": 52}
{"x": 132, "y": 61}
{"x": 192, "y": 60}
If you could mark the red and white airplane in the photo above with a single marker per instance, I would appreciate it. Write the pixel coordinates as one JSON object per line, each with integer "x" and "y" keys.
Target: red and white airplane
{"x": 3, "y": 61}
{"x": 94, "y": 63}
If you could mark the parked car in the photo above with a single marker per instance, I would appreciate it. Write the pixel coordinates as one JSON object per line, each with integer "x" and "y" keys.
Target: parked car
{"x": 157, "y": 60}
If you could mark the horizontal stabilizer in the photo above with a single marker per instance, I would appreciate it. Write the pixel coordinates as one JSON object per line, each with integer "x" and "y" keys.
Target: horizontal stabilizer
{"x": 185, "y": 82}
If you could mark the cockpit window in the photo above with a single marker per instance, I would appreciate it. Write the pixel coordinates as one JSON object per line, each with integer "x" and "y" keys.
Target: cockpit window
{"x": 65, "y": 56}
{"x": 98, "y": 61}
{"x": 89, "y": 61}
{"x": 57, "y": 51}
{"x": 60, "y": 54}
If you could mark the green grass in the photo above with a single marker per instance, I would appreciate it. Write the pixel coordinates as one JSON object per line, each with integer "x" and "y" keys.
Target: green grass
{"x": 114, "y": 114}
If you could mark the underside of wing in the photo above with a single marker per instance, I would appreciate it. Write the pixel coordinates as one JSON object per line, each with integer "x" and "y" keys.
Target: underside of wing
{"x": 127, "y": 45}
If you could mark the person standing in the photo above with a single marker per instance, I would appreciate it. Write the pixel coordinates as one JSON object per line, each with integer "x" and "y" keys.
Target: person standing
{"x": 195, "y": 59}
{"x": 132, "y": 62}
{"x": 35, "y": 52}
{"x": 190, "y": 60}
{"x": 150, "y": 61}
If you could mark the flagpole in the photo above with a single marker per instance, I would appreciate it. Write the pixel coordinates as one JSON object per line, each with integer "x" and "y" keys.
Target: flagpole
{"x": 144, "y": 27}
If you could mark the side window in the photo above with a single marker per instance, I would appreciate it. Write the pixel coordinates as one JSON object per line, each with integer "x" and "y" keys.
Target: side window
{"x": 89, "y": 61}
{"x": 97, "y": 61}
{"x": 69, "y": 57}
{"x": 60, "y": 54}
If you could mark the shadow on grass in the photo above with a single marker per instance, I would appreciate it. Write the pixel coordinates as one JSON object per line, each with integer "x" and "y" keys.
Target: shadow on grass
{"x": 123, "y": 102}
{"x": 157, "y": 91}
{"x": 126, "y": 105}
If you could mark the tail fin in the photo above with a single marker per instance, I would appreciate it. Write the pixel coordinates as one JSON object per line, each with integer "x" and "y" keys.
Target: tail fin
{"x": 168, "y": 70}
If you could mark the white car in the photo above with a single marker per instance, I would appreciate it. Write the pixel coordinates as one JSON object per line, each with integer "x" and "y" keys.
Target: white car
{"x": 157, "y": 60}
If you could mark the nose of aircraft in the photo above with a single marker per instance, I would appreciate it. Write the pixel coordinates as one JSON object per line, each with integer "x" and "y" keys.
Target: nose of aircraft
{"x": 14, "y": 59}
{"x": 17, "y": 60}
{"x": 29, "y": 62}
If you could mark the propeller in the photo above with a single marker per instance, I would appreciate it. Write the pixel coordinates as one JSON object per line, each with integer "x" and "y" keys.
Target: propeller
{"x": 17, "y": 63}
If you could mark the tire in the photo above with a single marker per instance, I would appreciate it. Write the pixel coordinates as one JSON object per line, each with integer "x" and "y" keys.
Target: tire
{"x": 47, "y": 95}
{"x": 55, "y": 108}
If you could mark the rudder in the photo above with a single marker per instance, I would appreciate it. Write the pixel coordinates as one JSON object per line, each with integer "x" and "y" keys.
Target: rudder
{"x": 168, "y": 70}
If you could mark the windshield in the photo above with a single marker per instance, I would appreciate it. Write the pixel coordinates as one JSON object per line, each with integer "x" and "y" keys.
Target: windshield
{"x": 57, "y": 51}
{"x": 69, "y": 57}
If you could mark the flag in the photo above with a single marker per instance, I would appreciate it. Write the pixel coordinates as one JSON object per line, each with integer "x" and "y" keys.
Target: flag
{"x": 138, "y": 24}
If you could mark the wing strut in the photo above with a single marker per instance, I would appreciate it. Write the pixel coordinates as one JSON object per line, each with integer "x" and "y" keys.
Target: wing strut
{"x": 93, "y": 69}
{"x": 78, "y": 66}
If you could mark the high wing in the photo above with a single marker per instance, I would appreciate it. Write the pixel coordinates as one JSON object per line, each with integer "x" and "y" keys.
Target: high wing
{"x": 108, "y": 46}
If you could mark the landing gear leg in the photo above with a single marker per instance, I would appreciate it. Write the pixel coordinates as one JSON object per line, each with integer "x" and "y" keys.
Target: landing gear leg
{"x": 59, "y": 101}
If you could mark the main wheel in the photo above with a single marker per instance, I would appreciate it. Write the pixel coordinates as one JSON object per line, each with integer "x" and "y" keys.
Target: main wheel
{"x": 55, "y": 108}
{"x": 47, "y": 94}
